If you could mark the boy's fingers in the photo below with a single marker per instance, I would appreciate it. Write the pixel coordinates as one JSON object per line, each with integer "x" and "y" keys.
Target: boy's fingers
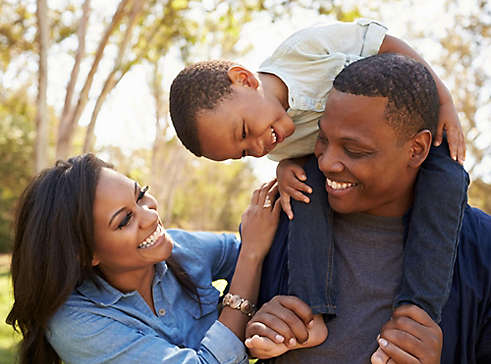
{"x": 286, "y": 206}
{"x": 461, "y": 154}
{"x": 297, "y": 195}
{"x": 439, "y": 134}
{"x": 453, "y": 142}
{"x": 299, "y": 173}
{"x": 379, "y": 357}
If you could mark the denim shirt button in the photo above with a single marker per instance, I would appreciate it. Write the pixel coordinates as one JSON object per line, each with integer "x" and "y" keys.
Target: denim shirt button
{"x": 162, "y": 312}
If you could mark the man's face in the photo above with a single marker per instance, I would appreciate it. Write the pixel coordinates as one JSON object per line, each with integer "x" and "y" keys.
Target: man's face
{"x": 366, "y": 169}
{"x": 245, "y": 123}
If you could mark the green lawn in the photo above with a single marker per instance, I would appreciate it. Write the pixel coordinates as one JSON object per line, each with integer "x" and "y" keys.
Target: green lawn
{"x": 8, "y": 338}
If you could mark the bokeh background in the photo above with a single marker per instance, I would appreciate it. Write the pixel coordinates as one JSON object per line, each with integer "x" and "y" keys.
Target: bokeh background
{"x": 94, "y": 75}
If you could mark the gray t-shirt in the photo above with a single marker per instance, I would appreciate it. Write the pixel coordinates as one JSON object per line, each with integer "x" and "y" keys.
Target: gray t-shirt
{"x": 368, "y": 264}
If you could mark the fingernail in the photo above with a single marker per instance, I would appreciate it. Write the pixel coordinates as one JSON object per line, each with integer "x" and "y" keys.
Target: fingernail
{"x": 378, "y": 337}
{"x": 306, "y": 200}
{"x": 310, "y": 324}
{"x": 383, "y": 342}
{"x": 247, "y": 342}
{"x": 279, "y": 338}
{"x": 309, "y": 190}
{"x": 292, "y": 341}
{"x": 303, "y": 177}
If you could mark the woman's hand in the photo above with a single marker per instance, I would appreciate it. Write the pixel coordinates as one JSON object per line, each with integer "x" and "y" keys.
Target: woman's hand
{"x": 291, "y": 176}
{"x": 260, "y": 220}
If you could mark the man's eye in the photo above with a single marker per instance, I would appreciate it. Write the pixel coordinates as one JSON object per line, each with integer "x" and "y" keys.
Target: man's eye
{"x": 356, "y": 154}
{"x": 125, "y": 221}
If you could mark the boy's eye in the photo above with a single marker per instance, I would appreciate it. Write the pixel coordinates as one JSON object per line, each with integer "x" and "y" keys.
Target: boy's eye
{"x": 125, "y": 221}
{"x": 244, "y": 134}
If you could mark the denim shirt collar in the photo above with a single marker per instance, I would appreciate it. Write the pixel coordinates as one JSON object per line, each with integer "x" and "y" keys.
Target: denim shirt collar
{"x": 107, "y": 295}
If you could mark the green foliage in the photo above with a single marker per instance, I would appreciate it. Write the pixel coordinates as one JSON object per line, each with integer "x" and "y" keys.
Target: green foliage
{"x": 8, "y": 337}
{"x": 16, "y": 157}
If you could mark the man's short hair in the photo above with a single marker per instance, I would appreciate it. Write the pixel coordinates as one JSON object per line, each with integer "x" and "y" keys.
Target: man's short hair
{"x": 413, "y": 103}
{"x": 200, "y": 86}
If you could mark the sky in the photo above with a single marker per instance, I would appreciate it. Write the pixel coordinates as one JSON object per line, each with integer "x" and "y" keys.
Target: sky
{"x": 127, "y": 117}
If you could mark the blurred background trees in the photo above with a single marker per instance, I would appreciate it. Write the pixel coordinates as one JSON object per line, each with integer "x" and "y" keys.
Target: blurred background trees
{"x": 63, "y": 63}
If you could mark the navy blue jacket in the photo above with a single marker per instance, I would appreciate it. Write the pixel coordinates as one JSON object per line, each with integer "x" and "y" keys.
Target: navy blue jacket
{"x": 466, "y": 318}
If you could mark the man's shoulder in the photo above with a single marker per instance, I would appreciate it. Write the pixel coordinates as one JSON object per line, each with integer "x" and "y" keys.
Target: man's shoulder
{"x": 476, "y": 232}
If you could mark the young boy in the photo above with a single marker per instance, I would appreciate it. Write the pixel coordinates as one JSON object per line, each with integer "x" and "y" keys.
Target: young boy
{"x": 221, "y": 110}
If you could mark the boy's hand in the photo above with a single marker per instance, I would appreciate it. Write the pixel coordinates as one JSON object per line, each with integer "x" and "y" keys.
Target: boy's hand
{"x": 448, "y": 121}
{"x": 291, "y": 175}
{"x": 409, "y": 337}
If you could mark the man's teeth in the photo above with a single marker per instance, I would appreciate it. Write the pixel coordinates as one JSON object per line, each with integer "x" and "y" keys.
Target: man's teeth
{"x": 152, "y": 239}
{"x": 338, "y": 185}
{"x": 273, "y": 135}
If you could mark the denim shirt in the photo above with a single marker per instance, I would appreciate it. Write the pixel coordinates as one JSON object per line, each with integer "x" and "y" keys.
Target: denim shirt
{"x": 466, "y": 317}
{"x": 108, "y": 326}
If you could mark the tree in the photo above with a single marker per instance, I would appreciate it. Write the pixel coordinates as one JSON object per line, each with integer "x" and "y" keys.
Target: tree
{"x": 41, "y": 150}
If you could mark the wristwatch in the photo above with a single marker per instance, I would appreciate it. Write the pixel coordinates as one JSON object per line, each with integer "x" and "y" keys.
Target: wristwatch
{"x": 238, "y": 303}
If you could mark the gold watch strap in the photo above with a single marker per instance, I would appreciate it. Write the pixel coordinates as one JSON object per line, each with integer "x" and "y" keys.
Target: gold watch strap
{"x": 238, "y": 303}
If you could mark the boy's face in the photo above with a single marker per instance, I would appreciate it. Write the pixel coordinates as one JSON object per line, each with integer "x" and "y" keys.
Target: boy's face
{"x": 245, "y": 123}
{"x": 366, "y": 168}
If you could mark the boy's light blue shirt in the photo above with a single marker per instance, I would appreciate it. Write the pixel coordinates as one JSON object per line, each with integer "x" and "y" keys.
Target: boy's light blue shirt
{"x": 307, "y": 63}
{"x": 108, "y": 326}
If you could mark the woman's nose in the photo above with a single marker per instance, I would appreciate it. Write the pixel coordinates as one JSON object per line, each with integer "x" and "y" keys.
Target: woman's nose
{"x": 149, "y": 214}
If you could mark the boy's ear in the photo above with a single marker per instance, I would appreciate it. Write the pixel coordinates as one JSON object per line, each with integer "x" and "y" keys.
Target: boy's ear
{"x": 420, "y": 147}
{"x": 242, "y": 77}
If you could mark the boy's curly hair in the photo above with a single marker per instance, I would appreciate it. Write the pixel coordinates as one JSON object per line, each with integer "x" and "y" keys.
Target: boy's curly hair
{"x": 200, "y": 86}
{"x": 413, "y": 103}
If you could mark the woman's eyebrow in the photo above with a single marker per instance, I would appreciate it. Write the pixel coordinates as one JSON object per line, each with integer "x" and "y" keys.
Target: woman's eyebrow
{"x": 122, "y": 208}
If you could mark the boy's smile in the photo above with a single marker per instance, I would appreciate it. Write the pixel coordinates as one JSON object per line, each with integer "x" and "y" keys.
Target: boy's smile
{"x": 246, "y": 123}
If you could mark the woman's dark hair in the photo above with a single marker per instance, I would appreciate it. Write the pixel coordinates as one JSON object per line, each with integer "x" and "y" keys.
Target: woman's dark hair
{"x": 53, "y": 248}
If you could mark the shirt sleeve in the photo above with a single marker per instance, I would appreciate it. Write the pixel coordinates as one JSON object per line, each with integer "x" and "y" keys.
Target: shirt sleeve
{"x": 93, "y": 339}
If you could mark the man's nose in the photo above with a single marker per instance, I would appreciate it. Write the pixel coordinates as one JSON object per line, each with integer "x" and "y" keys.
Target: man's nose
{"x": 329, "y": 162}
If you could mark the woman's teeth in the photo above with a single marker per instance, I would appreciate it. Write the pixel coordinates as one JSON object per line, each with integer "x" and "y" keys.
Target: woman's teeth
{"x": 273, "y": 136}
{"x": 152, "y": 239}
{"x": 338, "y": 185}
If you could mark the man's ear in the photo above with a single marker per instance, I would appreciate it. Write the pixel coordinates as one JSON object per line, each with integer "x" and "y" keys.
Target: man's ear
{"x": 419, "y": 148}
{"x": 242, "y": 77}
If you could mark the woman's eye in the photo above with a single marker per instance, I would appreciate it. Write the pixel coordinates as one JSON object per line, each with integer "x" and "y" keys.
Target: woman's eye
{"x": 125, "y": 221}
{"x": 142, "y": 193}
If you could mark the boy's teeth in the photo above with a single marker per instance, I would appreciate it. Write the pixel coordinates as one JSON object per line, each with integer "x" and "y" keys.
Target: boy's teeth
{"x": 338, "y": 185}
{"x": 273, "y": 135}
{"x": 152, "y": 239}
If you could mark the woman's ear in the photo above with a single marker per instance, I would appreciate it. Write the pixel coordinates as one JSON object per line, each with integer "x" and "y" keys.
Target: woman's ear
{"x": 420, "y": 147}
{"x": 95, "y": 261}
{"x": 241, "y": 76}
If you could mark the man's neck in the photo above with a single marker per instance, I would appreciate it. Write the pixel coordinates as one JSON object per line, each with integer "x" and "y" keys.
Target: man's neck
{"x": 274, "y": 87}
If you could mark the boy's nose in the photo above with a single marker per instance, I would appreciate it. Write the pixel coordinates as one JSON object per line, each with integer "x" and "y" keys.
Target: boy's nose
{"x": 257, "y": 148}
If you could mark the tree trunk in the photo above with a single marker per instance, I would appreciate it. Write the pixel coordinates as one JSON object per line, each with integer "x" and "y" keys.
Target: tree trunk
{"x": 41, "y": 147}
{"x": 111, "y": 80}
{"x": 66, "y": 134}
{"x": 81, "y": 35}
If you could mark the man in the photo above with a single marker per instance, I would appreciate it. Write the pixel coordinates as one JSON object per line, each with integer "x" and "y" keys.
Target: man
{"x": 374, "y": 135}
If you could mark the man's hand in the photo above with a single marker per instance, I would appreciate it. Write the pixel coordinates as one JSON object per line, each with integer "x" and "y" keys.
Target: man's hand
{"x": 264, "y": 348}
{"x": 409, "y": 337}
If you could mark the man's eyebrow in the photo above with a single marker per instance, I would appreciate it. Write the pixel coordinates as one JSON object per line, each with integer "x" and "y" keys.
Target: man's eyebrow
{"x": 121, "y": 209}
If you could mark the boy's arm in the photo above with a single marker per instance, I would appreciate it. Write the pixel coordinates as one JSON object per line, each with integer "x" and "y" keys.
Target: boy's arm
{"x": 448, "y": 119}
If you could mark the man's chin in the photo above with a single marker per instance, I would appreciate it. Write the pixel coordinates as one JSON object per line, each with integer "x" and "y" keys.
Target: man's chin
{"x": 341, "y": 207}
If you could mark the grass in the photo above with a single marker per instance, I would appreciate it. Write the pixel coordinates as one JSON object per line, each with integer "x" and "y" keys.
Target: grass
{"x": 8, "y": 338}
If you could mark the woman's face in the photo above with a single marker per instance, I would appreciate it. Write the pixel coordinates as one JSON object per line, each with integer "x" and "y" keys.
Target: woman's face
{"x": 128, "y": 233}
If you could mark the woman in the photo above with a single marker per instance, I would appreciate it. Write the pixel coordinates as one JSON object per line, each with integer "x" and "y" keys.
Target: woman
{"x": 97, "y": 279}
